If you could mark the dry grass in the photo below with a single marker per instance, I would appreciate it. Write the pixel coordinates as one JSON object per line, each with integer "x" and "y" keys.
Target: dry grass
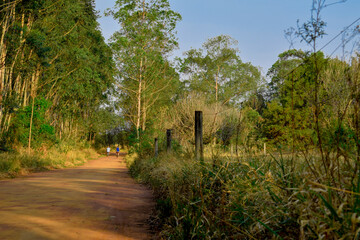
{"x": 22, "y": 162}
{"x": 253, "y": 197}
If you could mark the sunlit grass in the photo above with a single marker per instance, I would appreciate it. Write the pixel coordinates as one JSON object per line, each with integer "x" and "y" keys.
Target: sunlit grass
{"x": 254, "y": 196}
{"x": 22, "y": 162}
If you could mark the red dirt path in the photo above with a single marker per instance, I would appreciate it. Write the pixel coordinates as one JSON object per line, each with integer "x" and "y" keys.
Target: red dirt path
{"x": 98, "y": 201}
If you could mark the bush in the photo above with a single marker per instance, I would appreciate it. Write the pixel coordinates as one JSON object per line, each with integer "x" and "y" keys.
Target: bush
{"x": 41, "y": 131}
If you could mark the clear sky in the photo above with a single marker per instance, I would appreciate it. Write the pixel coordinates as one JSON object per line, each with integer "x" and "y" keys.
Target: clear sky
{"x": 258, "y": 25}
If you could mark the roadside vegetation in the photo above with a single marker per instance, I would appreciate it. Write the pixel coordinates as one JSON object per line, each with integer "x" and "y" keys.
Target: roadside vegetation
{"x": 251, "y": 197}
{"x": 21, "y": 162}
{"x": 56, "y": 73}
{"x": 282, "y": 151}
{"x": 281, "y": 156}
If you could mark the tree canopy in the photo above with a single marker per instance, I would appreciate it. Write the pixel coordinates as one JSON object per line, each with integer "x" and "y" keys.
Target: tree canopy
{"x": 54, "y": 53}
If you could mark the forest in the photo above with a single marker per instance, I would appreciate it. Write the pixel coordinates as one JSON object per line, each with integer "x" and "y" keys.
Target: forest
{"x": 281, "y": 157}
{"x": 55, "y": 75}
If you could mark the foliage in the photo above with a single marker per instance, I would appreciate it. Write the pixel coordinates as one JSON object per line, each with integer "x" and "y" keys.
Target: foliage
{"x": 22, "y": 162}
{"x": 145, "y": 78}
{"x": 42, "y": 131}
{"x": 307, "y": 187}
{"x": 217, "y": 71}
{"x": 60, "y": 84}
{"x": 247, "y": 198}
{"x": 181, "y": 118}
{"x": 52, "y": 51}
{"x": 289, "y": 115}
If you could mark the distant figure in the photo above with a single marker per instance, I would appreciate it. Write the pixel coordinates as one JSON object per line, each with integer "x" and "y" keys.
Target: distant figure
{"x": 108, "y": 150}
{"x": 117, "y": 151}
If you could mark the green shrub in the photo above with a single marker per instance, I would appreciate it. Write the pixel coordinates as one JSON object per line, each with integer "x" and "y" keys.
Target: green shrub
{"x": 41, "y": 131}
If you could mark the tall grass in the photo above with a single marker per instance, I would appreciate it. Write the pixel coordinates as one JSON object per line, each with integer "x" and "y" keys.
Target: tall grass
{"x": 13, "y": 164}
{"x": 253, "y": 197}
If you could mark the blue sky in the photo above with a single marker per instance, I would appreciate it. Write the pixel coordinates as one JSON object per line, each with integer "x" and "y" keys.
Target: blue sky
{"x": 258, "y": 25}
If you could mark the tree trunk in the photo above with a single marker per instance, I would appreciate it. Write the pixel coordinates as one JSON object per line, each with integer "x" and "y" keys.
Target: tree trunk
{"x": 31, "y": 122}
{"x": 237, "y": 134}
{"x": 3, "y": 52}
{"x": 217, "y": 84}
{"x": 216, "y": 102}
{"x": 34, "y": 81}
{"x": 139, "y": 93}
{"x": 144, "y": 111}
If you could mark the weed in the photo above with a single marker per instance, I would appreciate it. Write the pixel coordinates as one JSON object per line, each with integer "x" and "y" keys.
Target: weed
{"x": 252, "y": 197}
{"x": 22, "y": 162}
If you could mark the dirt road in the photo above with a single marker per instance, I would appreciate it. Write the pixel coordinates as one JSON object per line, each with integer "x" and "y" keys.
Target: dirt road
{"x": 97, "y": 201}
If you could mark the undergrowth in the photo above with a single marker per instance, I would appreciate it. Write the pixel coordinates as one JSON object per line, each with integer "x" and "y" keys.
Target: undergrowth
{"x": 22, "y": 162}
{"x": 254, "y": 197}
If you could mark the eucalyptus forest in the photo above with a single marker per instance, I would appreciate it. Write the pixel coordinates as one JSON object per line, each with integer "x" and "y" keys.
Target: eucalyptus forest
{"x": 281, "y": 150}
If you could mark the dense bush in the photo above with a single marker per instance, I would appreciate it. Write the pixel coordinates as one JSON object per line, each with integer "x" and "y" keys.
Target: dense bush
{"x": 41, "y": 130}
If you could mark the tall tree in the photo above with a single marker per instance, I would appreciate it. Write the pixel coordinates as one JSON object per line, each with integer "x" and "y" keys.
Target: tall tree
{"x": 52, "y": 51}
{"x": 289, "y": 116}
{"x": 145, "y": 77}
{"x": 216, "y": 69}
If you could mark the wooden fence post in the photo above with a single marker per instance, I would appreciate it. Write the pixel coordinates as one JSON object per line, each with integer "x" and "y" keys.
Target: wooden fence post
{"x": 156, "y": 146}
{"x": 199, "y": 147}
{"x": 168, "y": 140}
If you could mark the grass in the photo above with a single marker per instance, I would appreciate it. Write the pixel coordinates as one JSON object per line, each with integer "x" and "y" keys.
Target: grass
{"x": 252, "y": 197}
{"x": 22, "y": 162}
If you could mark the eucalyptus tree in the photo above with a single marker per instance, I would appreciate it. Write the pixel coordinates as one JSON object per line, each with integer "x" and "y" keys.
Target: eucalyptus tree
{"x": 217, "y": 70}
{"x": 53, "y": 52}
{"x": 146, "y": 37}
{"x": 23, "y": 53}
{"x": 79, "y": 77}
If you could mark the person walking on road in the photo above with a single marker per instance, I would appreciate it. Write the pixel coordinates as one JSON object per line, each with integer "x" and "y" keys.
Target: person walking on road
{"x": 117, "y": 151}
{"x": 108, "y": 150}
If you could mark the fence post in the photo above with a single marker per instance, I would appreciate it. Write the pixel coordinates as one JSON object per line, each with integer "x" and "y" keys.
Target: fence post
{"x": 168, "y": 140}
{"x": 199, "y": 151}
{"x": 156, "y": 146}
